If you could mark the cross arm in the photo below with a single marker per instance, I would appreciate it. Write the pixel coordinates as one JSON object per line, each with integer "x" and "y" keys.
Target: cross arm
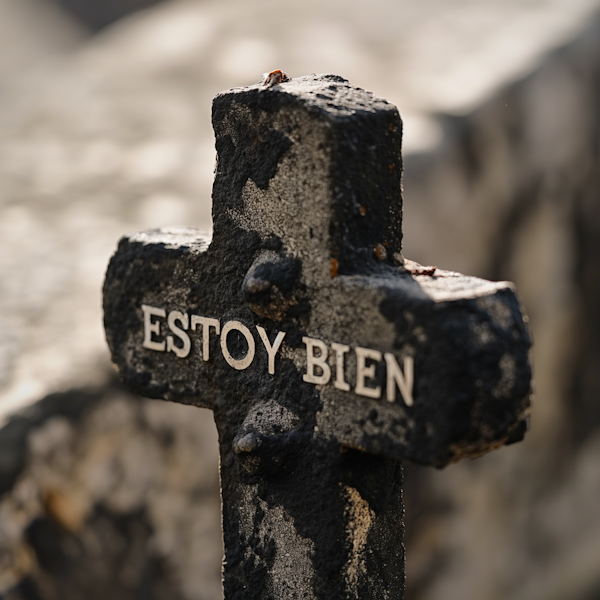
{"x": 302, "y": 298}
{"x": 148, "y": 272}
{"x": 431, "y": 367}
{"x": 438, "y": 365}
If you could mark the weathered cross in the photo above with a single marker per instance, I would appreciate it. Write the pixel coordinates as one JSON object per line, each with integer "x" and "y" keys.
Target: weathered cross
{"x": 325, "y": 356}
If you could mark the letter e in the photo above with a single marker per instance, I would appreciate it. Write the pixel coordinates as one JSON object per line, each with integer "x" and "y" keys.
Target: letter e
{"x": 363, "y": 372}
{"x": 150, "y": 327}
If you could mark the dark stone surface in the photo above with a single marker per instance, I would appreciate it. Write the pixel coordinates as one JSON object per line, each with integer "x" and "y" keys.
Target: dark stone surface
{"x": 307, "y": 238}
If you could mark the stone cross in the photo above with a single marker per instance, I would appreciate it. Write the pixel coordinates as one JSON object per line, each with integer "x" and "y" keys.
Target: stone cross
{"x": 324, "y": 355}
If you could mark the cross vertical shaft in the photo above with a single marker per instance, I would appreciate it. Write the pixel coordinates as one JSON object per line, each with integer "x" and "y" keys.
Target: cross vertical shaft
{"x": 325, "y": 357}
{"x": 312, "y": 521}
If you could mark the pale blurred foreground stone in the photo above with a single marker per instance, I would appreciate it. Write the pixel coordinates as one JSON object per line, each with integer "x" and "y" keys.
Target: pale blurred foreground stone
{"x": 108, "y": 496}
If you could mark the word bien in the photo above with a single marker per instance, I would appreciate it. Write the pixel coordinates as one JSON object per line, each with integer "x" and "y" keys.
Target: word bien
{"x": 318, "y": 370}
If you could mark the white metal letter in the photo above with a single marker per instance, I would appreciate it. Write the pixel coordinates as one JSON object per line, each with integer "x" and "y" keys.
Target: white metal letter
{"x": 363, "y": 372}
{"x": 206, "y": 323}
{"x": 242, "y": 363}
{"x": 313, "y": 361}
{"x": 403, "y": 380}
{"x": 150, "y": 327}
{"x": 175, "y": 315}
{"x": 271, "y": 350}
{"x": 340, "y": 382}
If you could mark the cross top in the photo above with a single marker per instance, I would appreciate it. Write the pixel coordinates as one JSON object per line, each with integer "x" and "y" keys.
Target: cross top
{"x": 323, "y": 176}
{"x": 323, "y": 354}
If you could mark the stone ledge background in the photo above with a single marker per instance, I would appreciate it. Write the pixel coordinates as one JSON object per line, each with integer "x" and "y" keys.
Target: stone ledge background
{"x": 108, "y": 496}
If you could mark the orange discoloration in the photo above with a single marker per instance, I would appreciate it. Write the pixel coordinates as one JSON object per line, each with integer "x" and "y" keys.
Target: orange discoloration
{"x": 380, "y": 252}
{"x": 334, "y": 268}
{"x": 64, "y": 509}
{"x": 363, "y": 211}
{"x": 416, "y": 269}
{"x": 274, "y": 78}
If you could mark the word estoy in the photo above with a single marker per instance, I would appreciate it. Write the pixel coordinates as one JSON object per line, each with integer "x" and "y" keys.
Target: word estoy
{"x": 318, "y": 370}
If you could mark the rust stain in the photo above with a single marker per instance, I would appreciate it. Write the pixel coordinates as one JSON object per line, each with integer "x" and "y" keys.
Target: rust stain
{"x": 334, "y": 267}
{"x": 274, "y": 78}
{"x": 363, "y": 210}
{"x": 352, "y": 446}
{"x": 416, "y": 269}
{"x": 380, "y": 252}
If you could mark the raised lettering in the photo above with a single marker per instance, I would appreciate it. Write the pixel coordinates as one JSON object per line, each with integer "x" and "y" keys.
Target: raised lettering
{"x": 150, "y": 327}
{"x": 313, "y": 361}
{"x": 242, "y": 363}
{"x": 395, "y": 377}
{"x": 271, "y": 350}
{"x": 318, "y": 370}
{"x": 363, "y": 372}
{"x": 173, "y": 317}
{"x": 206, "y": 323}
{"x": 340, "y": 382}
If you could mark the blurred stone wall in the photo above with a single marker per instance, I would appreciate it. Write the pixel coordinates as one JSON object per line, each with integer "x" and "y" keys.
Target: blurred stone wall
{"x": 514, "y": 193}
{"x": 97, "y": 14}
{"x": 104, "y": 495}
{"x": 34, "y": 34}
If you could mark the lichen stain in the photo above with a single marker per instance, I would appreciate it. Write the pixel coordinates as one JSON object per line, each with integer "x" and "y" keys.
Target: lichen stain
{"x": 360, "y": 519}
{"x": 508, "y": 368}
{"x": 292, "y": 574}
{"x": 498, "y": 310}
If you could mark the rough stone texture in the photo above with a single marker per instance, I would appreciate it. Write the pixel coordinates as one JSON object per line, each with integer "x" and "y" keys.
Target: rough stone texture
{"x": 307, "y": 202}
{"x": 118, "y": 138}
{"x": 288, "y": 188}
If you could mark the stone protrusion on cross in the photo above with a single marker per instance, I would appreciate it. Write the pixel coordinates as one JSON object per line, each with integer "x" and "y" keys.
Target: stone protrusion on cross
{"x": 325, "y": 356}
